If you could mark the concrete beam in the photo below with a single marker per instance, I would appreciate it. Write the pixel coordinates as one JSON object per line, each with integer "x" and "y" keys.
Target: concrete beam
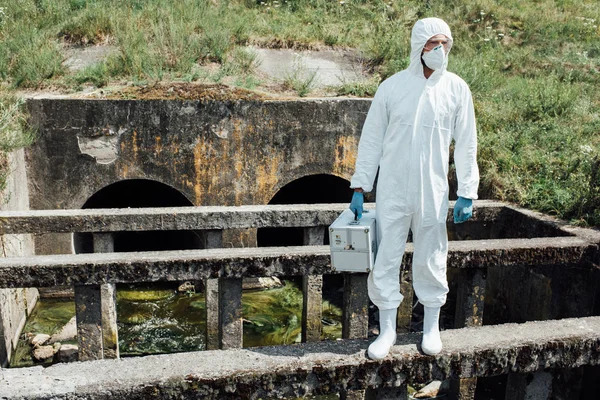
{"x": 182, "y": 265}
{"x": 315, "y": 368}
{"x": 191, "y": 218}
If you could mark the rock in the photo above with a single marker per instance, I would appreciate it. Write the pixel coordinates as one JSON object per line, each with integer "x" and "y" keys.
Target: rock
{"x": 186, "y": 287}
{"x": 67, "y": 353}
{"x": 42, "y": 353}
{"x": 39, "y": 339}
{"x": 261, "y": 283}
{"x": 67, "y": 332}
{"x": 432, "y": 390}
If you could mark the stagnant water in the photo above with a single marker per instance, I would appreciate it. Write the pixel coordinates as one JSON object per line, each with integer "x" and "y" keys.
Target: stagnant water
{"x": 155, "y": 320}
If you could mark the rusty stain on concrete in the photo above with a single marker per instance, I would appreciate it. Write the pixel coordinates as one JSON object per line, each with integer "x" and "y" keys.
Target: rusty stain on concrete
{"x": 134, "y": 144}
{"x": 346, "y": 149}
{"x": 267, "y": 176}
{"x": 157, "y": 146}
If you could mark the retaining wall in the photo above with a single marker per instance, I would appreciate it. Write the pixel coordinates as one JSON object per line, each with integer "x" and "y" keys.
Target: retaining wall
{"x": 14, "y": 303}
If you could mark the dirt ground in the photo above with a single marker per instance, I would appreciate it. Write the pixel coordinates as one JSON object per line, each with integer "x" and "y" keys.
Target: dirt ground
{"x": 186, "y": 91}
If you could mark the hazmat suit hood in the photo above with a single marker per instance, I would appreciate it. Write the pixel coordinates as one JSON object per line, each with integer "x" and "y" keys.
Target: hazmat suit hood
{"x": 424, "y": 30}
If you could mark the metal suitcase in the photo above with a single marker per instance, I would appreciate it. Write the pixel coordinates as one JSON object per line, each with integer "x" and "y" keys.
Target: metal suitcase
{"x": 353, "y": 243}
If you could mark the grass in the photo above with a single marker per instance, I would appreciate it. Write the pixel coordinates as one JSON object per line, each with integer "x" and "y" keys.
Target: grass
{"x": 533, "y": 74}
{"x": 15, "y": 133}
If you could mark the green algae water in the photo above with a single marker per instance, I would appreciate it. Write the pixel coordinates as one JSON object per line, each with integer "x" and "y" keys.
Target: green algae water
{"x": 154, "y": 319}
{"x": 48, "y": 316}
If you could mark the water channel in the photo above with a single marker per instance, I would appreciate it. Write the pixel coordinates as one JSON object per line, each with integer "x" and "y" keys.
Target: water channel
{"x": 160, "y": 319}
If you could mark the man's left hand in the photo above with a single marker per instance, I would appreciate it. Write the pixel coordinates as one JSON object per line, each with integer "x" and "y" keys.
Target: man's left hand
{"x": 463, "y": 210}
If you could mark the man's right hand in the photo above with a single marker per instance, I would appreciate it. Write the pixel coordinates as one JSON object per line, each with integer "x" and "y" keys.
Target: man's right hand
{"x": 356, "y": 205}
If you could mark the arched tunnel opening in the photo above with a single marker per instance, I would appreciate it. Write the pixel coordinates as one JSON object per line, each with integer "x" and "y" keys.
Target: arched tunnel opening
{"x": 312, "y": 189}
{"x": 139, "y": 193}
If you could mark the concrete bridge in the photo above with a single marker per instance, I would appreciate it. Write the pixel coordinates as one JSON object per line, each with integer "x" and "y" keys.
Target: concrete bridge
{"x": 508, "y": 265}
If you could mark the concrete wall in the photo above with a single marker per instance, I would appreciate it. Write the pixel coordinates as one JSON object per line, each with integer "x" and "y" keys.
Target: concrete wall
{"x": 14, "y": 303}
{"x": 214, "y": 153}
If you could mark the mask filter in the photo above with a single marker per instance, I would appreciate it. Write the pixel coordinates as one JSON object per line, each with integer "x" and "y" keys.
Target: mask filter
{"x": 435, "y": 58}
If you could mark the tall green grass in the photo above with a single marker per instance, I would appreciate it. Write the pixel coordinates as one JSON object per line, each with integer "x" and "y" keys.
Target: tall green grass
{"x": 15, "y": 132}
{"x": 533, "y": 74}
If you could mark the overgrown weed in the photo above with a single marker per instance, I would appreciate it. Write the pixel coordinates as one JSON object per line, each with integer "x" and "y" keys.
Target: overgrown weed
{"x": 533, "y": 74}
{"x": 15, "y": 131}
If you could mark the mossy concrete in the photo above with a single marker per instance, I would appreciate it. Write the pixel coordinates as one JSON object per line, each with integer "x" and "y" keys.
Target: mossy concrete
{"x": 315, "y": 368}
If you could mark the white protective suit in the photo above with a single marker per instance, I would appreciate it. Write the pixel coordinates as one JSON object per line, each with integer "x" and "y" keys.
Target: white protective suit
{"x": 407, "y": 134}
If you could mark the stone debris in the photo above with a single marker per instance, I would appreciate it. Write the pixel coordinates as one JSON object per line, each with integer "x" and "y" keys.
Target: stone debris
{"x": 261, "y": 283}
{"x": 186, "y": 287}
{"x": 67, "y": 332}
{"x": 432, "y": 390}
{"x": 39, "y": 339}
{"x": 67, "y": 353}
{"x": 42, "y": 353}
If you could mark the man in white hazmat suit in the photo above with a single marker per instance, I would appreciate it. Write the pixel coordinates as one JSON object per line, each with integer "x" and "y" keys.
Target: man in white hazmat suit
{"x": 407, "y": 133}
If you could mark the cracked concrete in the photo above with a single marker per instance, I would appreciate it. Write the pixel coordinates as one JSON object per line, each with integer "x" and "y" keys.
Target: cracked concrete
{"x": 103, "y": 148}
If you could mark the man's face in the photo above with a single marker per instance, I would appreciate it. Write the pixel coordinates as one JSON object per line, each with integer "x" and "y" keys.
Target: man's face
{"x": 435, "y": 41}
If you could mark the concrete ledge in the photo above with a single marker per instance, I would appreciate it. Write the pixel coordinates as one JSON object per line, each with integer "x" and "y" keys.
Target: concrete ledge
{"x": 315, "y": 368}
{"x": 99, "y": 268}
{"x": 191, "y": 218}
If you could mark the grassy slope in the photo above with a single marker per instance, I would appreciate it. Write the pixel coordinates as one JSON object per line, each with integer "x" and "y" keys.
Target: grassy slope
{"x": 533, "y": 67}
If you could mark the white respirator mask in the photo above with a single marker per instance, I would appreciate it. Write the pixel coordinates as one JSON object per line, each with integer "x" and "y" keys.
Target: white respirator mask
{"x": 435, "y": 58}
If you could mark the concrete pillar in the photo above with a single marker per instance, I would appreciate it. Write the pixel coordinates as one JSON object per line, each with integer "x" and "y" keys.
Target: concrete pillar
{"x": 470, "y": 298}
{"x": 355, "y": 317}
{"x": 88, "y": 313}
{"x": 405, "y": 310}
{"x": 387, "y": 393}
{"x": 591, "y": 381}
{"x": 212, "y": 313}
{"x": 312, "y": 291}
{"x": 352, "y": 395}
{"x": 212, "y": 239}
{"x": 110, "y": 333}
{"x": 105, "y": 243}
{"x": 230, "y": 314}
{"x": 469, "y": 312}
{"x": 568, "y": 383}
{"x": 532, "y": 386}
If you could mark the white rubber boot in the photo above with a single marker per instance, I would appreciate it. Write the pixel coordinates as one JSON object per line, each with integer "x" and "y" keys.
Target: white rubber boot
{"x": 387, "y": 335}
{"x": 432, "y": 343}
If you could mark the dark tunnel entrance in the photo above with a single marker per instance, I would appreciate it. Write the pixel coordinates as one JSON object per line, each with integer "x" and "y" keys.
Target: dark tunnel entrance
{"x": 311, "y": 189}
{"x": 139, "y": 193}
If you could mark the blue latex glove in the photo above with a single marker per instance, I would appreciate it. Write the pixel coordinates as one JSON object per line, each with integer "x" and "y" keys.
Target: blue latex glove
{"x": 356, "y": 205}
{"x": 463, "y": 210}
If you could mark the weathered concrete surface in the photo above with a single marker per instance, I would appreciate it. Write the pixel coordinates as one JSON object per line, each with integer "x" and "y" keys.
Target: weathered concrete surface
{"x": 14, "y": 303}
{"x": 88, "y": 313}
{"x": 182, "y": 265}
{"x": 312, "y": 291}
{"x": 498, "y": 218}
{"x": 315, "y": 368}
{"x": 215, "y": 153}
{"x": 212, "y": 152}
{"x": 230, "y": 314}
{"x": 355, "y": 317}
{"x": 174, "y": 218}
{"x": 329, "y": 67}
